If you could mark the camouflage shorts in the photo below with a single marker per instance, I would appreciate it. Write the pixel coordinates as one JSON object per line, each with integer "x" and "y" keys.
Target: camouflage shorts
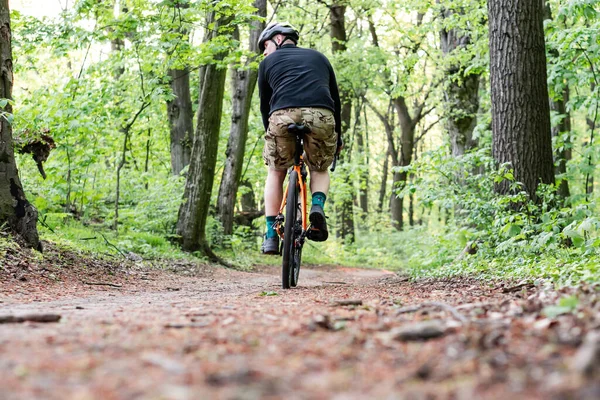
{"x": 319, "y": 145}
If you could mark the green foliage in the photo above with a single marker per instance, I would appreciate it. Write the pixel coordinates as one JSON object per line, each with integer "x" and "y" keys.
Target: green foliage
{"x": 565, "y": 305}
{"x": 84, "y": 77}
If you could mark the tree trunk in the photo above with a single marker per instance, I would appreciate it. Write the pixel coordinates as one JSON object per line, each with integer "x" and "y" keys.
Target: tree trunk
{"x": 461, "y": 93}
{"x": 589, "y": 178}
{"x": 519, "y": 92}
{"x": 562, "y": 155}
{"x": 344, "y": 205}
{"x": 384, "y": 176}
{"x": 363, "y": 180}
{"x": 15, "y": 210}
{"x": 243, "y": 85}
{"x": 180, "y": 119}
{"x": 408, "y": 124}
{"x": 407, "y": 145}
{"x": 191, "y": 222}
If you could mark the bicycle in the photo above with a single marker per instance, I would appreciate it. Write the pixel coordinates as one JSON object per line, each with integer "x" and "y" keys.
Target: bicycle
{"x": 293, "y": 228}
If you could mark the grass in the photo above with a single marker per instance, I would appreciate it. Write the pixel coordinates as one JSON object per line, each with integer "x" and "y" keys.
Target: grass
{"x": 419, "y": 252}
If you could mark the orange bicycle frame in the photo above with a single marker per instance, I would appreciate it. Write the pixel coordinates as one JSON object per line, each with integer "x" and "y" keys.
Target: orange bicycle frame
{"x": 303, "y": 195}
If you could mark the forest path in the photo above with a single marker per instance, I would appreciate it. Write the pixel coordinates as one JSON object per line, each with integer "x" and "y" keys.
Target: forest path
{"x": 237, "y": 335}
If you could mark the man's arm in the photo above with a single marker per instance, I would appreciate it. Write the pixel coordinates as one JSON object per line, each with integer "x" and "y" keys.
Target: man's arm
{"x": 265, "y": 92}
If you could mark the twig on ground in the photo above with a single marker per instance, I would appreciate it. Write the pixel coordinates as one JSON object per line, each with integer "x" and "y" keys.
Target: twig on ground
{"x": 112, "y": 245}
{"x": 43, "y": 222}
{"x": 517, "y": 287}
{"x": 11, "y": 319}
{"x": 473, "y": 305}
{"x": 434, "y": 304}
{"x": 102, "y": 284}
{"x": 349, "y": 302}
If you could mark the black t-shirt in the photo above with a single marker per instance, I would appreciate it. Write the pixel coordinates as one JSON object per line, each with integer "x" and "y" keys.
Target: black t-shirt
{"x": 297, "y": 77}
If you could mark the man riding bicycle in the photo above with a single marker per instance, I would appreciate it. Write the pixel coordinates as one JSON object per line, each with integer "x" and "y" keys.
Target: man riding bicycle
{"x": 296, "y": 85}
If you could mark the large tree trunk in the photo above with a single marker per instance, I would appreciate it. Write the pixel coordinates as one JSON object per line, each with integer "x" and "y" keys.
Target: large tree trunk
{"x": 461, "y": 94}
{"x": 193, "y": 212}
{"x": 181, "y": 119}
{"x": 519, "y": 92}
{"x": 344, "y": 204}
{"x": 15, "y": 210}
{"x": 243, "y": 84}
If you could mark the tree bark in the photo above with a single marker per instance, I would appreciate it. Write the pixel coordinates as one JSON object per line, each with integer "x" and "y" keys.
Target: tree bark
{"x": 589, "y": 178}
{"x": 179, "y": 109}
{"x": 363, "y": 180}
{"x": 344, "y": 205}
{"x": 408, "y": 125}
{"x": 181, "y": 119}
{"x": 383, "y": 186}
{"x": 15, "y": 210}
{"x": 519, "y": 92}
{"x": 461, "y": 94}
{"x": 193, "y": 213}
{"x": 243, "y": 85}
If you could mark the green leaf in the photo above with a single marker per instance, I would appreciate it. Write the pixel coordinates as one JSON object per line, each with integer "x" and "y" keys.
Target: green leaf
{"x": 569, "y": 302}
{"x": 565, "y": 305}
{"x": 555, "y": 311}
{"x": 268, "y": 294}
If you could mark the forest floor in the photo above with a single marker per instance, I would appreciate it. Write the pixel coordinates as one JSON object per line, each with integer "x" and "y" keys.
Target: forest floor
{"x": 186, "y": 331}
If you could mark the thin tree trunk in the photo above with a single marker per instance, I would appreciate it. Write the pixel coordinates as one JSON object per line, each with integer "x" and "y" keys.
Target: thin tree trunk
{"x": 519, "y": 92}
{"x": 15, "y": 210}
{"x": 562, "y": 155}
{"x": 126, "y": 130}
{"x": 147, "y": 158}
{"x": 407, "y": 123}
{"x": 407, "y": 145}
{"x": 383, "y": 186}
{"x": 243, "y": 85}
{"x": 363, "y": 181}
{"x": 344, "y": 205}
{"x": 193, "y": 213}
{"x": 589, "y": 178}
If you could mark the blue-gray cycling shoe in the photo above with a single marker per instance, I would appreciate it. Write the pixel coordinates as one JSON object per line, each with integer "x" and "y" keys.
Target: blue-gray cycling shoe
{"x": 271, "y": 245}
{"x": 318, "y": 224}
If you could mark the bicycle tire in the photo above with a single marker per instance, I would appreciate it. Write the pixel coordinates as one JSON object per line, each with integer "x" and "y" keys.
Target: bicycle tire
{"x": 289, "y": 231}
{"x": 297, "y": 249}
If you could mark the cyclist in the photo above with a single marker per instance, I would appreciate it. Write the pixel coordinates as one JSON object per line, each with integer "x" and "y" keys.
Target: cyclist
{"x": 296, "y": 85}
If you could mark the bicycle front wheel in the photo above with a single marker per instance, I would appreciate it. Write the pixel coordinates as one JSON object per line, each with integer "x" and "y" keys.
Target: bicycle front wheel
{"x": 289, "y": 233}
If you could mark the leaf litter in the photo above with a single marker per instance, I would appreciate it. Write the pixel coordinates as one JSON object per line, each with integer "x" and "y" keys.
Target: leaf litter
{"x": 379, "y": 335}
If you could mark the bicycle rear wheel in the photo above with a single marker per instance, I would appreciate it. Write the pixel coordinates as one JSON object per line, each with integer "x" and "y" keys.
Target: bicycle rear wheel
{"x": 288, "y": 271}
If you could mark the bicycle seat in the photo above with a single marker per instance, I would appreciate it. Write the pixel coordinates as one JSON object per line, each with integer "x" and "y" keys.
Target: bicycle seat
{"x": 298, "y": 129}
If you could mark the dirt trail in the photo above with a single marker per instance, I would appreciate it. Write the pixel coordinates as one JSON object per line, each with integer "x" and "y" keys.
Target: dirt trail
{"x": 237, "y": 335}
